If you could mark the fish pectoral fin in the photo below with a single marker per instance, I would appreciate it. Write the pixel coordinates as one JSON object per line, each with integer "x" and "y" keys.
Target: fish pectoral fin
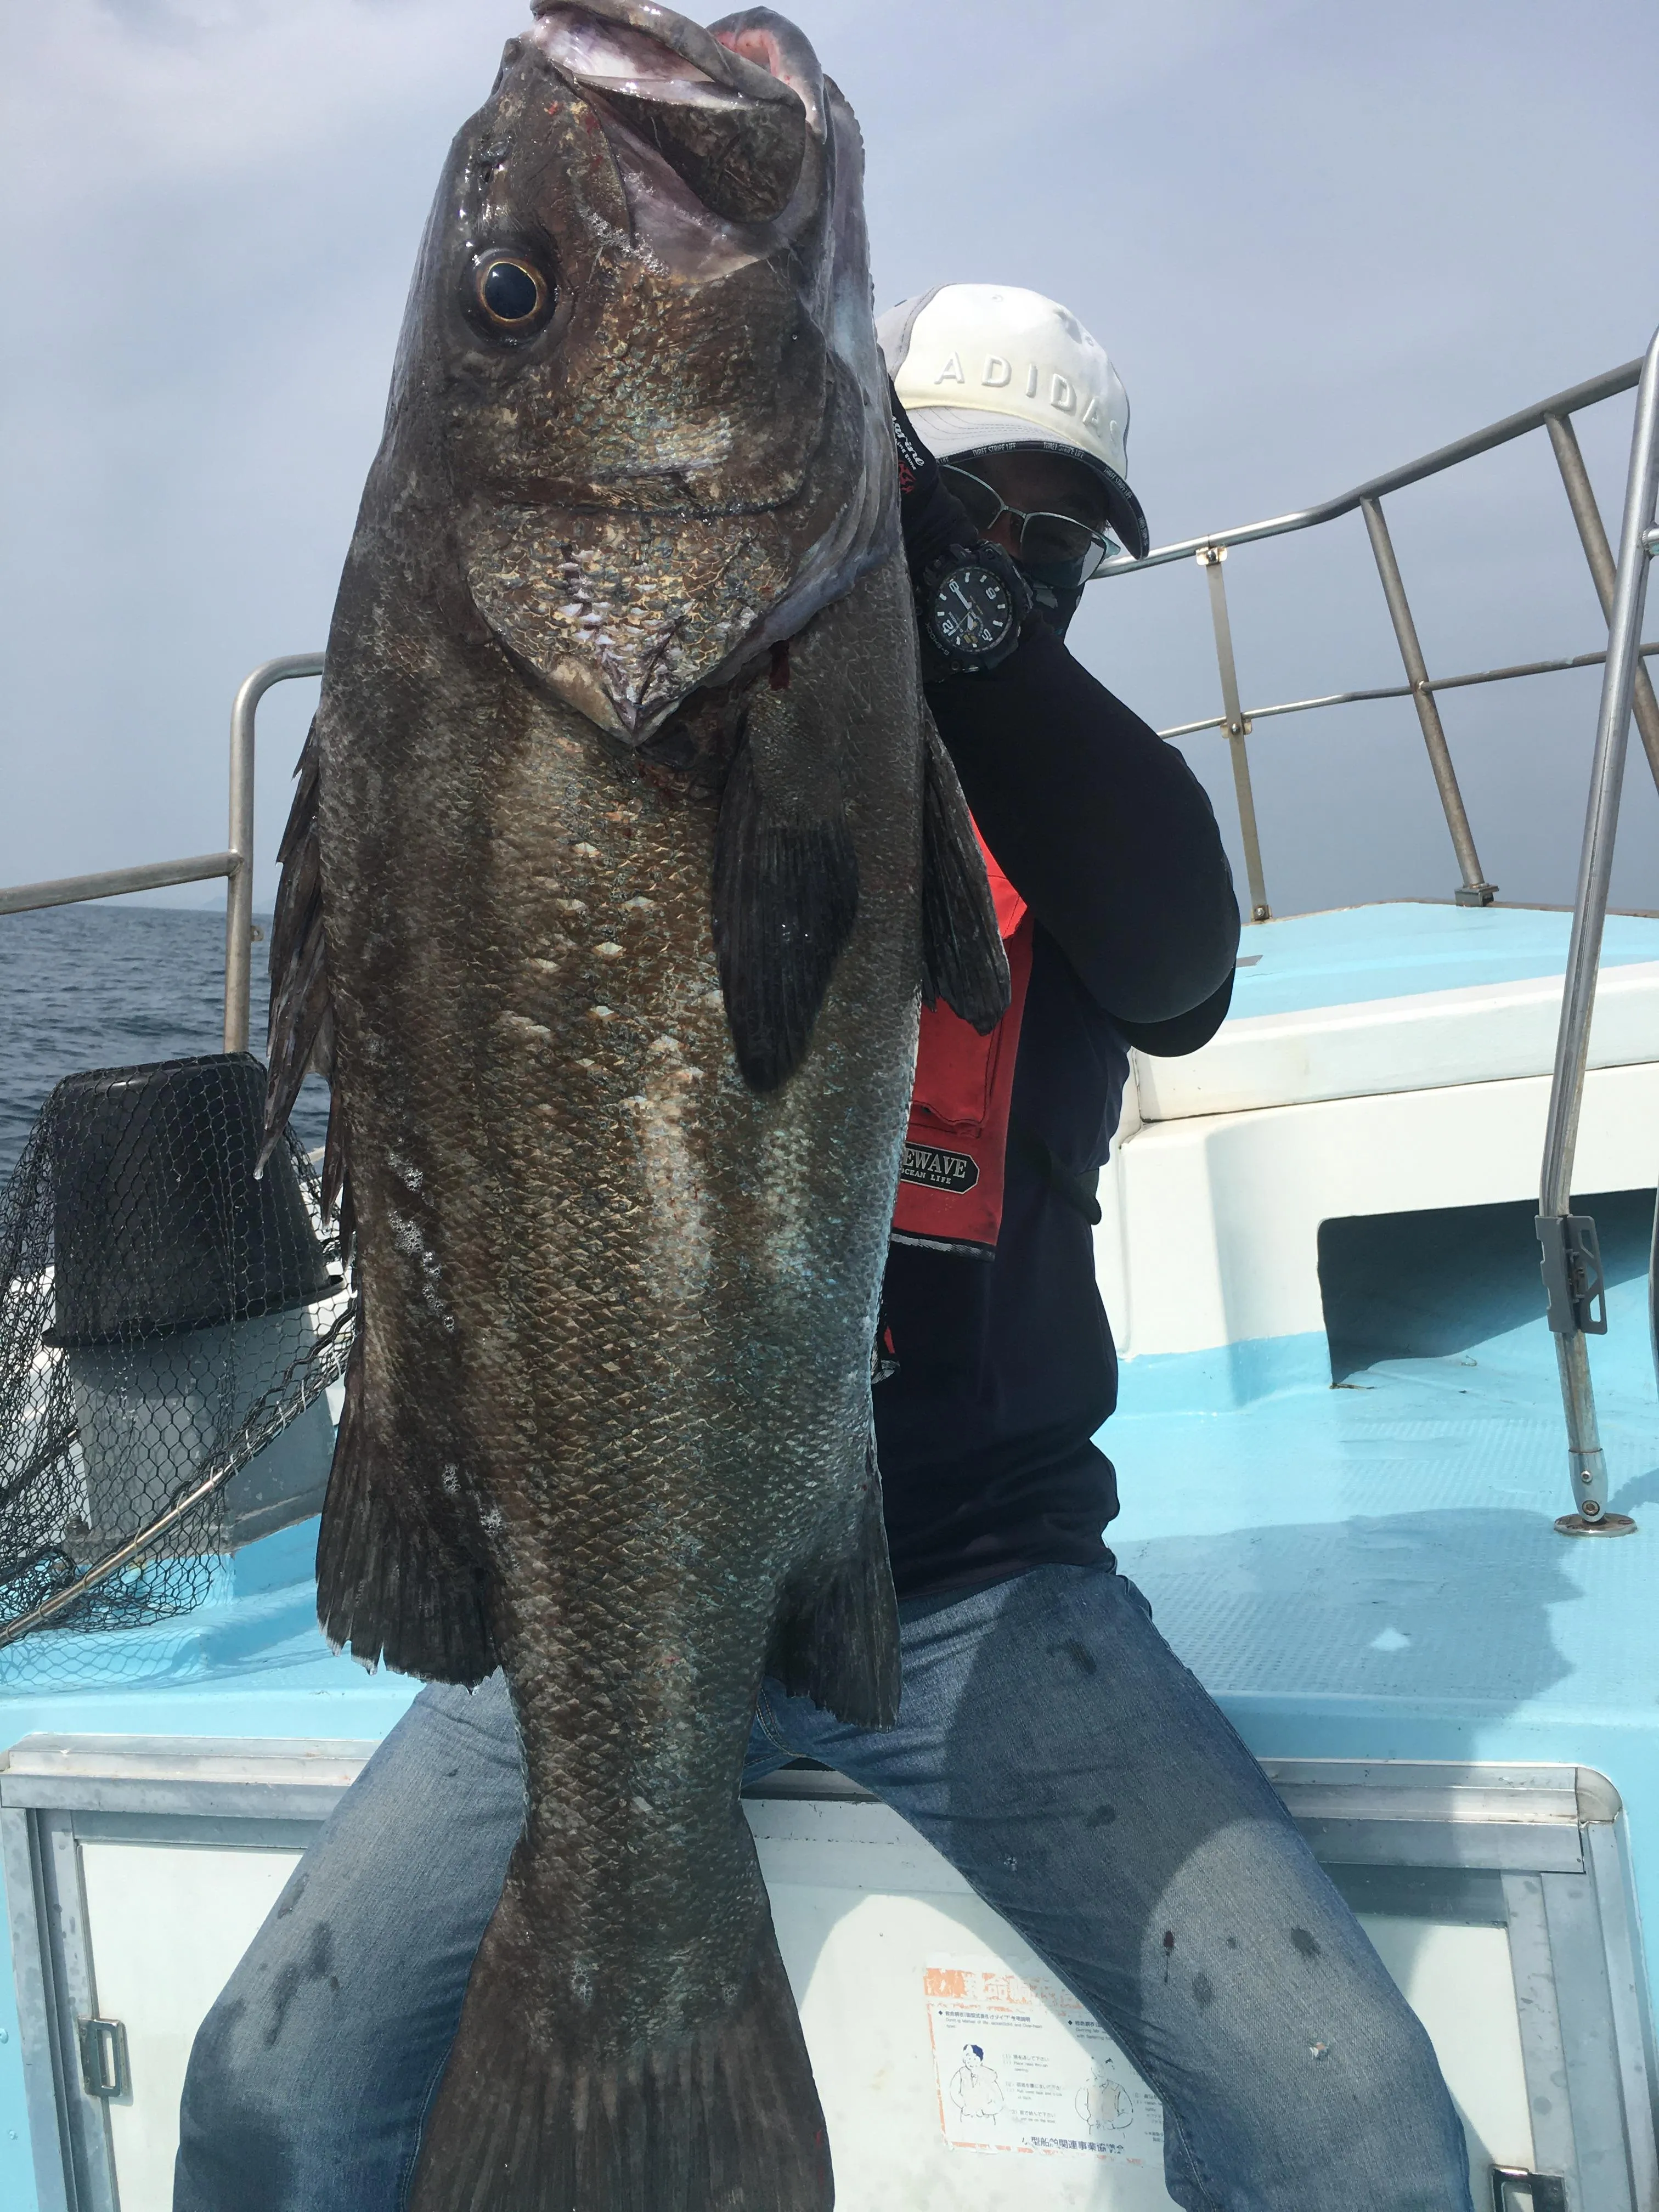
{"x": 400, "y": 1576}
{"x": 302, "y": 1033}
{"x": 837, "y": 1638}
{"x": 540, "y": 2109}
{"x": 962, "y": 961}
{"x": 786, "y": 891}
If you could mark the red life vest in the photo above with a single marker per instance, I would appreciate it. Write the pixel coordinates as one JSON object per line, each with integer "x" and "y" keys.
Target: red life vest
{"x": 949, "y": 1191}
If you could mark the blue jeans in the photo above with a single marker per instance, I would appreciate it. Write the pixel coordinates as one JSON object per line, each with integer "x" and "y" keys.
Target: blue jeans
{"x": 1053, "y": 1747}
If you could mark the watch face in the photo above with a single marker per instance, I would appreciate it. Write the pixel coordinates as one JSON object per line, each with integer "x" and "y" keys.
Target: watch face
{"x": 972, "y": 612}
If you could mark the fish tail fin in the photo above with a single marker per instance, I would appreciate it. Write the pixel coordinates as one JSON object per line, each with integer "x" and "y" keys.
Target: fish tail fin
{"x": 962, "y": 961}
{"x": 534, "y": 2115}
{"x": 393, "y": 1583}
{"x": 837, "y": 1641}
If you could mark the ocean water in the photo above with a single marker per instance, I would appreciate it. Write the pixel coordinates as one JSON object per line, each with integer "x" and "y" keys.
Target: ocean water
{"x": 100, "y": 986}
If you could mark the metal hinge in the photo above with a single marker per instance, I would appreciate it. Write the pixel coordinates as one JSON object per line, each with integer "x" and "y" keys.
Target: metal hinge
{"x": 1515, "y": 2190}
{"x": 1573, "y": 1281}
{"x": 103, "y": 2071}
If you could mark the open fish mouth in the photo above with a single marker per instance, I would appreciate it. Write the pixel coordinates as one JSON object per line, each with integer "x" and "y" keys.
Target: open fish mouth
{"x": 729, "y": 110}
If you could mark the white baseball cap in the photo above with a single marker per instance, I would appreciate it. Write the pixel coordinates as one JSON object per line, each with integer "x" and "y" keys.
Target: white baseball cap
{"x": 991, "y": 368}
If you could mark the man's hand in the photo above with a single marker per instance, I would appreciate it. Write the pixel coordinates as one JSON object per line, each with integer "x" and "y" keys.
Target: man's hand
{"x": 931, "y": 520}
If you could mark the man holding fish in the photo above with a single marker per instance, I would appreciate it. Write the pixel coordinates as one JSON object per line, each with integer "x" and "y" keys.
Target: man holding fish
{"x": 623, "y": 850}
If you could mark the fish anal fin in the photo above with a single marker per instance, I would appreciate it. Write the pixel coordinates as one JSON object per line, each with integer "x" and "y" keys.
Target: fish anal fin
{"x": 961, "y": 957}
{"x": 837, "y": 1638}
{"x": 397, "y": 1579}
{"x": 536, "y": 2109}
{"x": 786, "y": 888}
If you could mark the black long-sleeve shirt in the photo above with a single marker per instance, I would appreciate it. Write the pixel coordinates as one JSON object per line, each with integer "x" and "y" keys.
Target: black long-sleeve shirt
{"x": 1006, "y": 1368}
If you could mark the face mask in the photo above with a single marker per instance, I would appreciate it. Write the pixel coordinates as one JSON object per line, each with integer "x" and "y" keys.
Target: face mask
{"x": 1058, "y": 590}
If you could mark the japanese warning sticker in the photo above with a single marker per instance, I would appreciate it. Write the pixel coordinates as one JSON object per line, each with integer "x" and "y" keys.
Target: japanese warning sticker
{"x": 1021, "y": 2066}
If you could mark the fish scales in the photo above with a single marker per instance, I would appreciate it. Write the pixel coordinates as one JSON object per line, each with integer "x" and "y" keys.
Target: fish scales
{"x": 623, "y": 803}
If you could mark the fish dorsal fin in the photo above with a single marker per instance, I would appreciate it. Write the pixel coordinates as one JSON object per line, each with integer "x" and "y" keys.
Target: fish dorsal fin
{"x": 301, "y": 1040}
{"x": 400, "y": 1565}
{"x": 961, "y": 957}
{"x": 786, "y": 891}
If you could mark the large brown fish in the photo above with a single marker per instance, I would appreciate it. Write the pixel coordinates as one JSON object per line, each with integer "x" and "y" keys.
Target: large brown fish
{"x": 622, "y": 854}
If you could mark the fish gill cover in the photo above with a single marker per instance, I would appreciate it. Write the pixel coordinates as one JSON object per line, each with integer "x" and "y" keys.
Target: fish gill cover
{"x": 168, "y": 1328}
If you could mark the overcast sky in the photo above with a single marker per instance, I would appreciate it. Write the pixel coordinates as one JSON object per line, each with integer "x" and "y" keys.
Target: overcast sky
{"x": 1317, "y": 238}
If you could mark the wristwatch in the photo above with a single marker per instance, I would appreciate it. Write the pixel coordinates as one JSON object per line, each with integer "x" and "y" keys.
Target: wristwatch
{"x": 972, "y": 603}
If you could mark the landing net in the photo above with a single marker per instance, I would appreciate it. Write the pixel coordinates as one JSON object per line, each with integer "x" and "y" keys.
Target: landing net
{"x": 169, "y": 1328}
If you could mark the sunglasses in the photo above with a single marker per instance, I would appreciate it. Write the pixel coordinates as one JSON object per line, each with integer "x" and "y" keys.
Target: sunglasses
{"x": 1041, "y": 540}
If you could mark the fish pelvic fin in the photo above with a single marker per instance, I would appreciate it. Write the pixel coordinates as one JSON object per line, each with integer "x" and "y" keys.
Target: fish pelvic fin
{"x": 397, "y": 1578}
{"x": 837, "y": 1638}
{"x": 300, "y": 1038}
{"x": 535, "y": 2114}
{"x": 785, "y": 891}
{"x": 962, "y": 961}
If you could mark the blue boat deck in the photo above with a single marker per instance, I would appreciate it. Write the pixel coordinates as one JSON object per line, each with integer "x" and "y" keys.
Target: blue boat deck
{"x": 1365, "y": 1564}
{"x": 1353, "y": 955}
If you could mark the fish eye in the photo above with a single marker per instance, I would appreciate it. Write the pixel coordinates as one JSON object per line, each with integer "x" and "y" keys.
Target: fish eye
{"x": 511, "y": 292}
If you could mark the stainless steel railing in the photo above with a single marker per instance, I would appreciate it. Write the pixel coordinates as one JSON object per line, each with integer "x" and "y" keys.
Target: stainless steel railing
{"x": 1236, "y": 721}
{"x": 235, "y": 863}
{"x": 1571, "y": 1263}
{"x": 238, "y": 891}
{"x": 1573, "y": 1271}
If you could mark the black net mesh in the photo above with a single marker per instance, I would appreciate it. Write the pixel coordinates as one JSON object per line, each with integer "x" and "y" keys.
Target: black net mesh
{"x": 169, "y": 1329}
